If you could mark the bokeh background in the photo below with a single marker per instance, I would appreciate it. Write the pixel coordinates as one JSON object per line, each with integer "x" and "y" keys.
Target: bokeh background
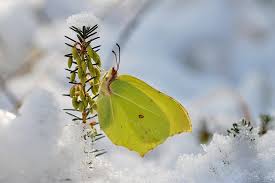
{"x": 217, "y": 57}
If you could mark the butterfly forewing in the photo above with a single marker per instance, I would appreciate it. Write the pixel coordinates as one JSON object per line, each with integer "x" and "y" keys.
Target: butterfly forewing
{"x": 177, "y": 115}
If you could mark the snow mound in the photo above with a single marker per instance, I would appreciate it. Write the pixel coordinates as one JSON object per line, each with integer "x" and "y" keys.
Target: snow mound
{"x": 243, "y": 158}
{"x": 28, "y": 143}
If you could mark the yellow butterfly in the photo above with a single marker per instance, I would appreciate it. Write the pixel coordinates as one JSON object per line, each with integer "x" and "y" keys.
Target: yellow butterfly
{"x": 137, "y": 116}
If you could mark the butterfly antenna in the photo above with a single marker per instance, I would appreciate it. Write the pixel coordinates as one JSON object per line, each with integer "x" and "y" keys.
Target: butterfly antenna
{"x": 115, "y": 56}
{"x": 118, "y": 56}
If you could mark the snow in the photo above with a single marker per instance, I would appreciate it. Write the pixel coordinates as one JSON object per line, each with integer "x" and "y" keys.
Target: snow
{"x": 228, "y": 159}
{"x": 6, "y": 118}
{"x": 28, "y": 143}
{"x": 82, "y": 19}
{"x": 216, "y": 57}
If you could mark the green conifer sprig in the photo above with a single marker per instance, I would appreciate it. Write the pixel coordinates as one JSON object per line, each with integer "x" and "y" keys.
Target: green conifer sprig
{"x": 84, "y": 68}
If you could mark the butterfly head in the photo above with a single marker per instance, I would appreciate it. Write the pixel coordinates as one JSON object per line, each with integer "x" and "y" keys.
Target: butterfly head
{"x": 111, "y": 75}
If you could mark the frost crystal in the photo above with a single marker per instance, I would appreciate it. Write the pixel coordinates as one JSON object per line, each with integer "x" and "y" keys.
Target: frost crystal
{"x": 82, "y": 19}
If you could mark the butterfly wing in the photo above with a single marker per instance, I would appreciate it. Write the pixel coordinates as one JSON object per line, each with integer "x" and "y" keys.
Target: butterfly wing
{"x": 131, "y": 118}
{"x": 177, "y": 115}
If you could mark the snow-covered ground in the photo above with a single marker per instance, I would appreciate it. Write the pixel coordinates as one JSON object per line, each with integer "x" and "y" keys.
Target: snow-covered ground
{"x": 215, "y": 56}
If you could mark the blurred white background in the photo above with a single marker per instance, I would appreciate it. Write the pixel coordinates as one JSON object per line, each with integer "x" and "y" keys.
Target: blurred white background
{"x": 217, "y": 57}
